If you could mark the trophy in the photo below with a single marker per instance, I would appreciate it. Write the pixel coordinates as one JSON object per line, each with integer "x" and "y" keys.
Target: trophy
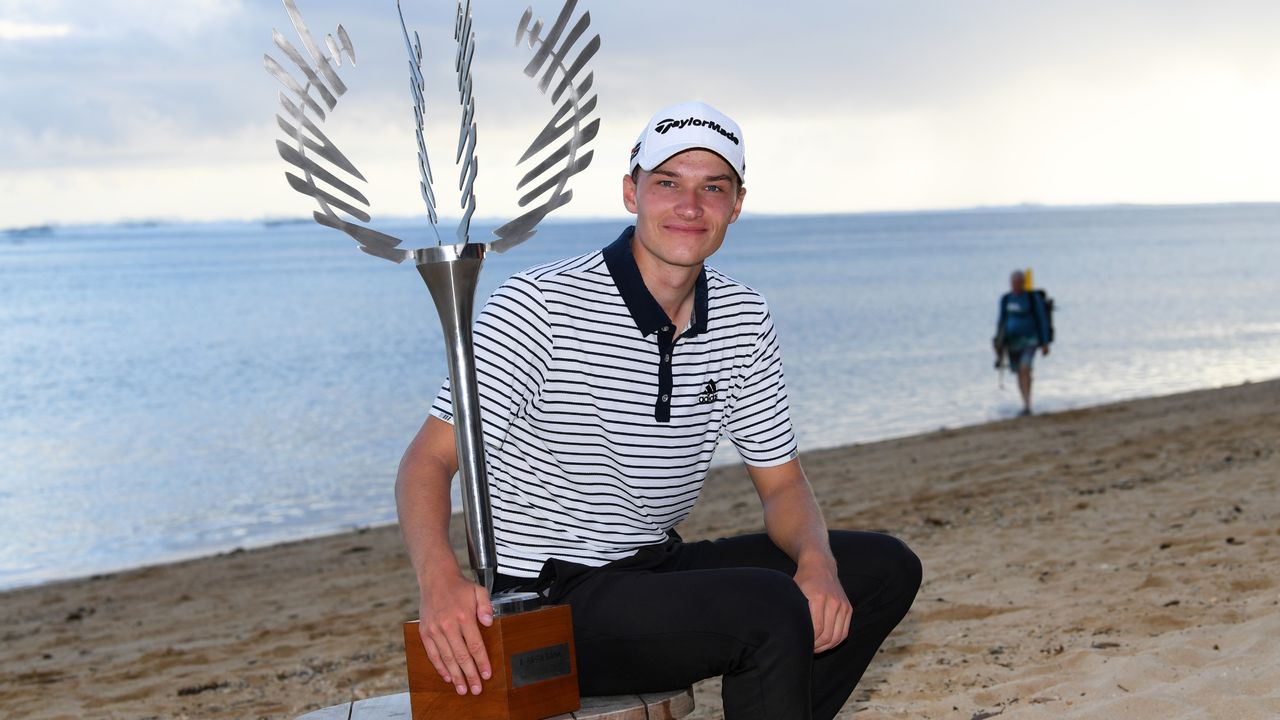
{"x": 530, "y": 646}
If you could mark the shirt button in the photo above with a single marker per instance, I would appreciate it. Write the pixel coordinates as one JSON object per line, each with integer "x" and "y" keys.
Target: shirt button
{"x": 666, "y": 358}
{"x": 666, "y": 398}
{"x": 666, "y": 328}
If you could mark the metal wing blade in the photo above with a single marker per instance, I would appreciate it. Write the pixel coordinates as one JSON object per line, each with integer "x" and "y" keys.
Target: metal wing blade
{"x": 466, "y": 155}
{"x": 323, "y": 168}
{"x": 417, "y": 88}
{"x": 555, "y": 54}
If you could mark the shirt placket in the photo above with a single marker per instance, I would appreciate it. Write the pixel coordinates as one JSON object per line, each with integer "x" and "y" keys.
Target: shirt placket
{"x": 666, "y": 346}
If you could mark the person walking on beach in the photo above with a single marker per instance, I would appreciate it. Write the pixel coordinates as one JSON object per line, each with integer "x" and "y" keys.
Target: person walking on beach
{"x": 1023, "y": 327}
{"x": 606, "y": 381}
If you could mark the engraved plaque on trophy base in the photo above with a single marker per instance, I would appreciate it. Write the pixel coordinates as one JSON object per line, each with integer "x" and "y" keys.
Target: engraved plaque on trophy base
{"x": 535, "y": 675}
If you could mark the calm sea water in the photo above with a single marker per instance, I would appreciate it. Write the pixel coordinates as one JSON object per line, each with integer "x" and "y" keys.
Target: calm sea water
{"x": 178, "y": 390}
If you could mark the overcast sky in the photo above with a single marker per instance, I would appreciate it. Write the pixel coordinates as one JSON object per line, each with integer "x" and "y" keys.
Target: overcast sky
{"x": 139, "y": 109}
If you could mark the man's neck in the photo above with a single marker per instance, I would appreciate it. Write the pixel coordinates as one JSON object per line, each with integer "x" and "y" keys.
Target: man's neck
{"x": 673, "y": 287}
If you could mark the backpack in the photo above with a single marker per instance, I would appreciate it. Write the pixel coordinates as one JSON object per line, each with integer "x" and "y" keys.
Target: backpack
{"x": 997, "y": 342}
{"x": 1047, "y": 303}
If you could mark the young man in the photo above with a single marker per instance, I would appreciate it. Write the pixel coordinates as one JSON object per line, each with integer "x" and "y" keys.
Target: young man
{"x": 1023, "y": 327}
{"x": 605, "y": 382}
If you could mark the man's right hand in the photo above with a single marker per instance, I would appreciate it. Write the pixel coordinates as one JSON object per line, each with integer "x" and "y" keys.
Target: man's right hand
{"x": 451, "y": 612}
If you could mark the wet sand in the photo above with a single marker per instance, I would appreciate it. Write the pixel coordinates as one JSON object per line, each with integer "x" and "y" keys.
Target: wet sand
{"x": 1117, "y": 561}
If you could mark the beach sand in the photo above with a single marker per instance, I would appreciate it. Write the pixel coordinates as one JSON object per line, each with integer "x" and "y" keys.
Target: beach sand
{"x": 1118, "y": 561}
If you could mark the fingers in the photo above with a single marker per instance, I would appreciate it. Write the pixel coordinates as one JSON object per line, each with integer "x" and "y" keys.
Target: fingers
{"x": 841, "y": 618}
{"x": 829, "y": 608}
{"x": 451, "y": 612}
{"x": 817, "y": 609}
{"x": 471, "y": 633}
{"x": 484, "y": 608}
{"x": 831, "y": 619}
{"x": 458, "y": 654}
{"x": 442, "y": 662}
{"x": 463, "y": 646}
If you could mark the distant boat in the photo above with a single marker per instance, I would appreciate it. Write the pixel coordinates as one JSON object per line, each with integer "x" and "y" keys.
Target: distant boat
{"x": 277, "y": 222}
{"x": 30, "y": 231}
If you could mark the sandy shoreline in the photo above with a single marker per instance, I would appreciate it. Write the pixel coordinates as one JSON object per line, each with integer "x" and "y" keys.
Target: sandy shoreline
{"x": 1116, "y": 561}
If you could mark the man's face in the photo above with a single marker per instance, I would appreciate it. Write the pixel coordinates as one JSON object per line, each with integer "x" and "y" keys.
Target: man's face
{"x": 1017, "y": 282}
{"x": 683, "y": 208}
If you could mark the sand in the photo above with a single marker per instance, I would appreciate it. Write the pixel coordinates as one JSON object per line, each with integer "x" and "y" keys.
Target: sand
{"x": 1118, "y": 561}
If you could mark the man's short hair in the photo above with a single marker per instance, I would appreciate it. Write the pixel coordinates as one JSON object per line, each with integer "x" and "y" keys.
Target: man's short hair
{"x": 635, "y": 178}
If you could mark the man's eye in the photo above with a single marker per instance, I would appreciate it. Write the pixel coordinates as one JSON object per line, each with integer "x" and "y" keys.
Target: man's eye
{"x": 666, "y": 183}
{"x": 714, "y": 188}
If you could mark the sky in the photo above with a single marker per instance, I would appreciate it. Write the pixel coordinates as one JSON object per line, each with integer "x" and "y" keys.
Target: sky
{"x": 127, "y": 110}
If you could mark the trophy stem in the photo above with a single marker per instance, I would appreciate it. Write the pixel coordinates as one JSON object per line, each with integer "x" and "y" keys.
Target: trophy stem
{"x": 451, "y": 273}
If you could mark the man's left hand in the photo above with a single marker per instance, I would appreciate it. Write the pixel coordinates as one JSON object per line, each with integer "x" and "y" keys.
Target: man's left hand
{"x": 828, "y": 605}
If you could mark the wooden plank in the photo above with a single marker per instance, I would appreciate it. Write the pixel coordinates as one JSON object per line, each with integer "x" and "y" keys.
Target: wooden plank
{"x": 387, "y": 707}
{"x": 612, "y": 707}
{"x": 654, "y": 706}
{"x": 335, "y": 712}
{"x": 669, "y": 705}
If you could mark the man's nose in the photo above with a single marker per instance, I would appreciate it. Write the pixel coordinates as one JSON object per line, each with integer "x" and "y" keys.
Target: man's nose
{"x": 687, "y": 204}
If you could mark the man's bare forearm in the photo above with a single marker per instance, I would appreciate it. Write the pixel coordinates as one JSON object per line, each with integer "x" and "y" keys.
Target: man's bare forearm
{"x": 423, "y": 504}
{"x": 791, "y": 514}
{"x": 794, "y": 523}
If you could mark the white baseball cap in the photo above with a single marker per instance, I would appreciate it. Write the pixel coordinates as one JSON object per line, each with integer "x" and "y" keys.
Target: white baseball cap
{"x": 686, "y": 126}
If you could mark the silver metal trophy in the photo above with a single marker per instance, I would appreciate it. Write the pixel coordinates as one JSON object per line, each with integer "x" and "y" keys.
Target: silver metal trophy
{"x": 312, "y": 87}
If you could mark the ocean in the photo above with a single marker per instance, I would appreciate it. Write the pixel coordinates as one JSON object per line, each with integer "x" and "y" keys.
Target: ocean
{"x": 175, "y": 390}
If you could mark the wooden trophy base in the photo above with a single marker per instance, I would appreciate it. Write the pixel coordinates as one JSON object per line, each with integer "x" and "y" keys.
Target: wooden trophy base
{"x": 535, "y": 674}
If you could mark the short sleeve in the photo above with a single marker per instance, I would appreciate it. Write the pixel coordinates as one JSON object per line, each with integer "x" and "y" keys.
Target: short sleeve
{"x": 760, "y": 421}
{"x": 513, "y": 342}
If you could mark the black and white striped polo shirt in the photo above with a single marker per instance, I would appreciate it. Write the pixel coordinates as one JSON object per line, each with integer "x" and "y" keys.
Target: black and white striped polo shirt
{"x": 599, "y": 428}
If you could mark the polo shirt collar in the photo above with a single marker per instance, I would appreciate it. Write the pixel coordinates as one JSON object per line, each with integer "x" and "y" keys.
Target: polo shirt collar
{"x": 648, "y": 315}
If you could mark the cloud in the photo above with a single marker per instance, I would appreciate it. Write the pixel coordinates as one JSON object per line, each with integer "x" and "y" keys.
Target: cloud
{"x": 846, "y": 105}
{"x": 122, "y": 18}
{"x": 15, "y": 30}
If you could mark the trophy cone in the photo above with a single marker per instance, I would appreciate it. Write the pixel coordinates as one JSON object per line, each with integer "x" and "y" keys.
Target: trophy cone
{"x": 451, "y": 273}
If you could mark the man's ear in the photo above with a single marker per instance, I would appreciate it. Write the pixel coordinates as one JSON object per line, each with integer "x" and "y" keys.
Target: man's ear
{"x": 629, "y": 194}
{"x": 737, "y": 206}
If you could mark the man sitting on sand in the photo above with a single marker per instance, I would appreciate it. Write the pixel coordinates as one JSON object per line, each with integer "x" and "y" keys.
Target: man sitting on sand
{"x": 606, "y": 381}
{"x": 1023, "y": 328}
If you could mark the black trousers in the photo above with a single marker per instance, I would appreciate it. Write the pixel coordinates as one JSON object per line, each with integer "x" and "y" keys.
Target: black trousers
{"x": 681, "y": 612}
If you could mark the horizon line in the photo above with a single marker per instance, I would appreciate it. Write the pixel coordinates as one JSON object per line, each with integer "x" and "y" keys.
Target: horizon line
{"x": 41, "y": 228}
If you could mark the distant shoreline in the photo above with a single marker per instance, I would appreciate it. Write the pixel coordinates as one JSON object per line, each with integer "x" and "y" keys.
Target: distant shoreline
{"x": 51, "y": 227}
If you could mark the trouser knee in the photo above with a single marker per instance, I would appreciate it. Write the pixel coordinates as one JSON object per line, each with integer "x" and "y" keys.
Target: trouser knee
{"x": 889, "y": 560}
{"x": 910, "y": 570}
